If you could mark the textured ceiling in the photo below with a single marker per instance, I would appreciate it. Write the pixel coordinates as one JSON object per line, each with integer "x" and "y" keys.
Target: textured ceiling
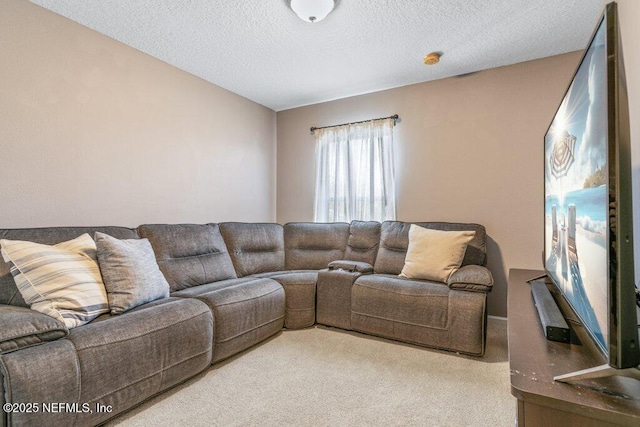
{"x": 261, "y": 50}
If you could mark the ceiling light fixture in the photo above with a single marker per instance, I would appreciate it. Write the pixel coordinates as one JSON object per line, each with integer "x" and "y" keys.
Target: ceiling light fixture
{"x": 312, "y": 10}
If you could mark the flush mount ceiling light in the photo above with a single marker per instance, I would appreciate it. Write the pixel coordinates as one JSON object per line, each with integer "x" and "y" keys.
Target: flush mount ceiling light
{"x": 312, "y": 10}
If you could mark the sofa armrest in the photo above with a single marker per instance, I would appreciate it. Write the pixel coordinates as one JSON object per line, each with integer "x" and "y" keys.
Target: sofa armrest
{"x": 21, "y": 327}
{"x": 473, "y": 278}
{"x": 351, "y": 266}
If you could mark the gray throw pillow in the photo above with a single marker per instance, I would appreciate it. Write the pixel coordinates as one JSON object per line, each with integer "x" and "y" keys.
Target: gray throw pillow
{"x": 130, "y": 272}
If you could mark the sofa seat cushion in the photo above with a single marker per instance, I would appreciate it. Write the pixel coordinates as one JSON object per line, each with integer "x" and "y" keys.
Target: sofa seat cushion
{"x": 138, "y": 308}
{"x": 245, "y": 312}
{"x": 127, "y": 358}
{"x": 294, "y": 276}
{"x": 270, "y": 274}
{"x": 300, "y": 297}
{"x": 413, "y": 302}
{"x": 419, "y": 312}
{"x": 208, "y": 287}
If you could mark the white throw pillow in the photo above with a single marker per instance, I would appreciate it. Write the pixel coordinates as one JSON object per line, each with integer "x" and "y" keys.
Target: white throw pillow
{"x": 434, "y": 254}
{"x": 62, "y": 281}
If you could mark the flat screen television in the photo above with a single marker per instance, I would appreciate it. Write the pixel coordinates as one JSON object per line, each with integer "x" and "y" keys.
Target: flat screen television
{"x": 588, "y": 231}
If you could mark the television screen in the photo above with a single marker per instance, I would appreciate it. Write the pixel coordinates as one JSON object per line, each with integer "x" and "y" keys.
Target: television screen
{"x": 576, "y": 193}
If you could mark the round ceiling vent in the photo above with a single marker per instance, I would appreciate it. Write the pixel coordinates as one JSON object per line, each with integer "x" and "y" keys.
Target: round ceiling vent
{"x": 431, "y": 58}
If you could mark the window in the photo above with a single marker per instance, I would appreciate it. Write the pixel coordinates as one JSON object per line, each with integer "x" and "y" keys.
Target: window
{"x": 355, "y": 172}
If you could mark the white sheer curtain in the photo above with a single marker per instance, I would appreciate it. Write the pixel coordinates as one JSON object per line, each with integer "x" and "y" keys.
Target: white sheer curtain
{"x": 355, "y": 173}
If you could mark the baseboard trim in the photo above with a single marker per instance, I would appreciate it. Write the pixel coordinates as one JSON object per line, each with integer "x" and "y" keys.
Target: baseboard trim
{"x": 497, "y": 317}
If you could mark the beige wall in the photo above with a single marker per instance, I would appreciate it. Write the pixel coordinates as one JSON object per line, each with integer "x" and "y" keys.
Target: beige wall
{"x": 467, "y": 149}
{"x": 629, "y": 12}
{"x": 93, "y": 132}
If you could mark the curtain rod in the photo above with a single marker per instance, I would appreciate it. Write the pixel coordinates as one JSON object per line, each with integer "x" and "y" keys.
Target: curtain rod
{"x": 394, "y": 117}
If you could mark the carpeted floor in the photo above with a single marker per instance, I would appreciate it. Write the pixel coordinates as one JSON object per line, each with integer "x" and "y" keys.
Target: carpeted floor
{"x": 329, "y": 377}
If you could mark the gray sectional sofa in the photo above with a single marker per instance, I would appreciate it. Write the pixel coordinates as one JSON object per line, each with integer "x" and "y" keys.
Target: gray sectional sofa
{"x": 232, "y": 286}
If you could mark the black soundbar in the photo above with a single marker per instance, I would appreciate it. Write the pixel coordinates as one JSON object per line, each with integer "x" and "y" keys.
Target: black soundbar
{"x": 553, "y": 323}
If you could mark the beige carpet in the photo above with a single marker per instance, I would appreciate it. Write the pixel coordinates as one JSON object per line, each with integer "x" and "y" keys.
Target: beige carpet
{"x": 329, "y": 377}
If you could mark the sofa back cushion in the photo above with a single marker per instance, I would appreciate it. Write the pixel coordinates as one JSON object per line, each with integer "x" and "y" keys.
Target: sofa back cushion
{"x": 189, "y": 254}
{"x": 311, "y": 245}
{"x": 9, "y": 293}
{"x": 394, "y": 241}
{"x": 254, "y": 248}
{"x": 364, "y": 239}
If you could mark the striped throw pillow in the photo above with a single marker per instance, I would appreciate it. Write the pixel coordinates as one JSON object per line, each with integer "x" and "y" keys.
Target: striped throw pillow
{"x": 62, "y": 281}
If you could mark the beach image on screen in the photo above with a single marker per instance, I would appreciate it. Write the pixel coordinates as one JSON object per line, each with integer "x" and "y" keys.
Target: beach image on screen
{"x": 576, "y": 200}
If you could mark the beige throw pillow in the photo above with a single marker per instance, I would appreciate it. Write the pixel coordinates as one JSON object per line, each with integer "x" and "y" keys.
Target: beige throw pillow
{"x": 434, "y": 254}
{"x": 62, "y": 281}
